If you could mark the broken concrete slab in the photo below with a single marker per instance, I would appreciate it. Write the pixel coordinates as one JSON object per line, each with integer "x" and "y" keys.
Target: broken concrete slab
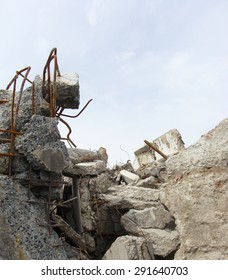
{"x": 67, "y": 90}
{"x": 154, "y": 217}
{"x": 127, "y": 197}
{"x": 93, "y": 168}
{"x": 82, "y": 155}
{"x": 164, "y": 241}
{"x": 129, "y": 177}
{"x": 130, "y": 248}
{"x": 169, "y": 143}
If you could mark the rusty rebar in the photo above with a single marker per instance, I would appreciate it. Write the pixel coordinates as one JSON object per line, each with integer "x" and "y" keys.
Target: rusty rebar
{"x": 156, "y": 149}
{"x": 50, "y": 90}
{"x": 69, "y": 116}
{"x": 12, "y": 129}
{"x": 68, "y": 135}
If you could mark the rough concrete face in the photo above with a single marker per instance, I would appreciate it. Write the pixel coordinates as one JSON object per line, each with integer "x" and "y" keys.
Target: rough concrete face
{"x": 21, "y": 235}
{"x": 196, "y": 194}
{"x": 93, "y": 168}
{"x": 156, "y": 225}
{"x": 41, "y": 145}
{"x": 154, "y": 217}
{"x": 128, "y": 197}
{"x": 130, "y": 248}
{"x": 67, "y": 90}
{"x": 129, "y": 177}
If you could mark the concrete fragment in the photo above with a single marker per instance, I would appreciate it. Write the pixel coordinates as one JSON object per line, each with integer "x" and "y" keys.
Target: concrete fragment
{"x": 130, "y": 248}
{"x": 168, "y": 143}
{"x": 41, "y": 145}
{"x": 82, "y": 155}
{"x": 149, "y": 182}
{"x": 20, "y": 226}
{"x": 100, "y": 183}
{"x": 196, "y": 193}
{"x": 154, "y": 217}
{"x": 127, "y": 197}
{"x": 129, "y": 177}
{"x": 86, "y": 168}
{"x": 164, "y": 242}
{"x": 67, "y": 90}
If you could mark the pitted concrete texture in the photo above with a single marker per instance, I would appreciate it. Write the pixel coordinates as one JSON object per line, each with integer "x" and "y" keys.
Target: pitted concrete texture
{"x": 41, "y": 144}
{"x": 21, "y": 226}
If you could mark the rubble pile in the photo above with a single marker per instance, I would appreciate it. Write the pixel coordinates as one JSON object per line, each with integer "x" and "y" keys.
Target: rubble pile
{"x": 64, "y": 203}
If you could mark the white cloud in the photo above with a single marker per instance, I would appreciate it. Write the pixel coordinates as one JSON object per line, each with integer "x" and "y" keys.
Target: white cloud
{"x": 125, "y": 55}
{"x": 96, "y": 10}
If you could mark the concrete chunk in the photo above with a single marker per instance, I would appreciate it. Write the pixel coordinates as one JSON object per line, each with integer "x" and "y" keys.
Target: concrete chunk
{"x": 154, "y": 217}
{"x": 169, "y": 143}
{"x": 67, "y": 90}
{"x": 129, "y": 177}
{"x": 130, "y": 248}
{"x": 86, "y": 168}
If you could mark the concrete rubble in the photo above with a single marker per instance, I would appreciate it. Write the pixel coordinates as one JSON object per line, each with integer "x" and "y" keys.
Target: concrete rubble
{"x": 65, "y": 203}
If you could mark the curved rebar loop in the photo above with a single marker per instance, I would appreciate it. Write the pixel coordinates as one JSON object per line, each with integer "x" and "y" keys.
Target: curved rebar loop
{"x": 69, "y": 116}
{"x": 59, "y": 112}
{"x": 50, "y": 92}
{"x": 71, "y": 143}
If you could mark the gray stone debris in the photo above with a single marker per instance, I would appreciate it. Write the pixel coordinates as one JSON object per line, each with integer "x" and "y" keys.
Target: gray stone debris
{"x": 130, "y": 248}
{"x": 154, "y": 217}
{"x": 41, "y": 145}
{"x": 128, "y": 177}
{"x": 157, "y": 225}
{"x": 127, "y": 197}
{"x": 92, "y": 168}
{"x": 196, "y": 194}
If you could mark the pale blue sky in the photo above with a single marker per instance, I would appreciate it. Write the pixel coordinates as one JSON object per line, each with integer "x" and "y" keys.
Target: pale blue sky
{"x": 148, "y": 65}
